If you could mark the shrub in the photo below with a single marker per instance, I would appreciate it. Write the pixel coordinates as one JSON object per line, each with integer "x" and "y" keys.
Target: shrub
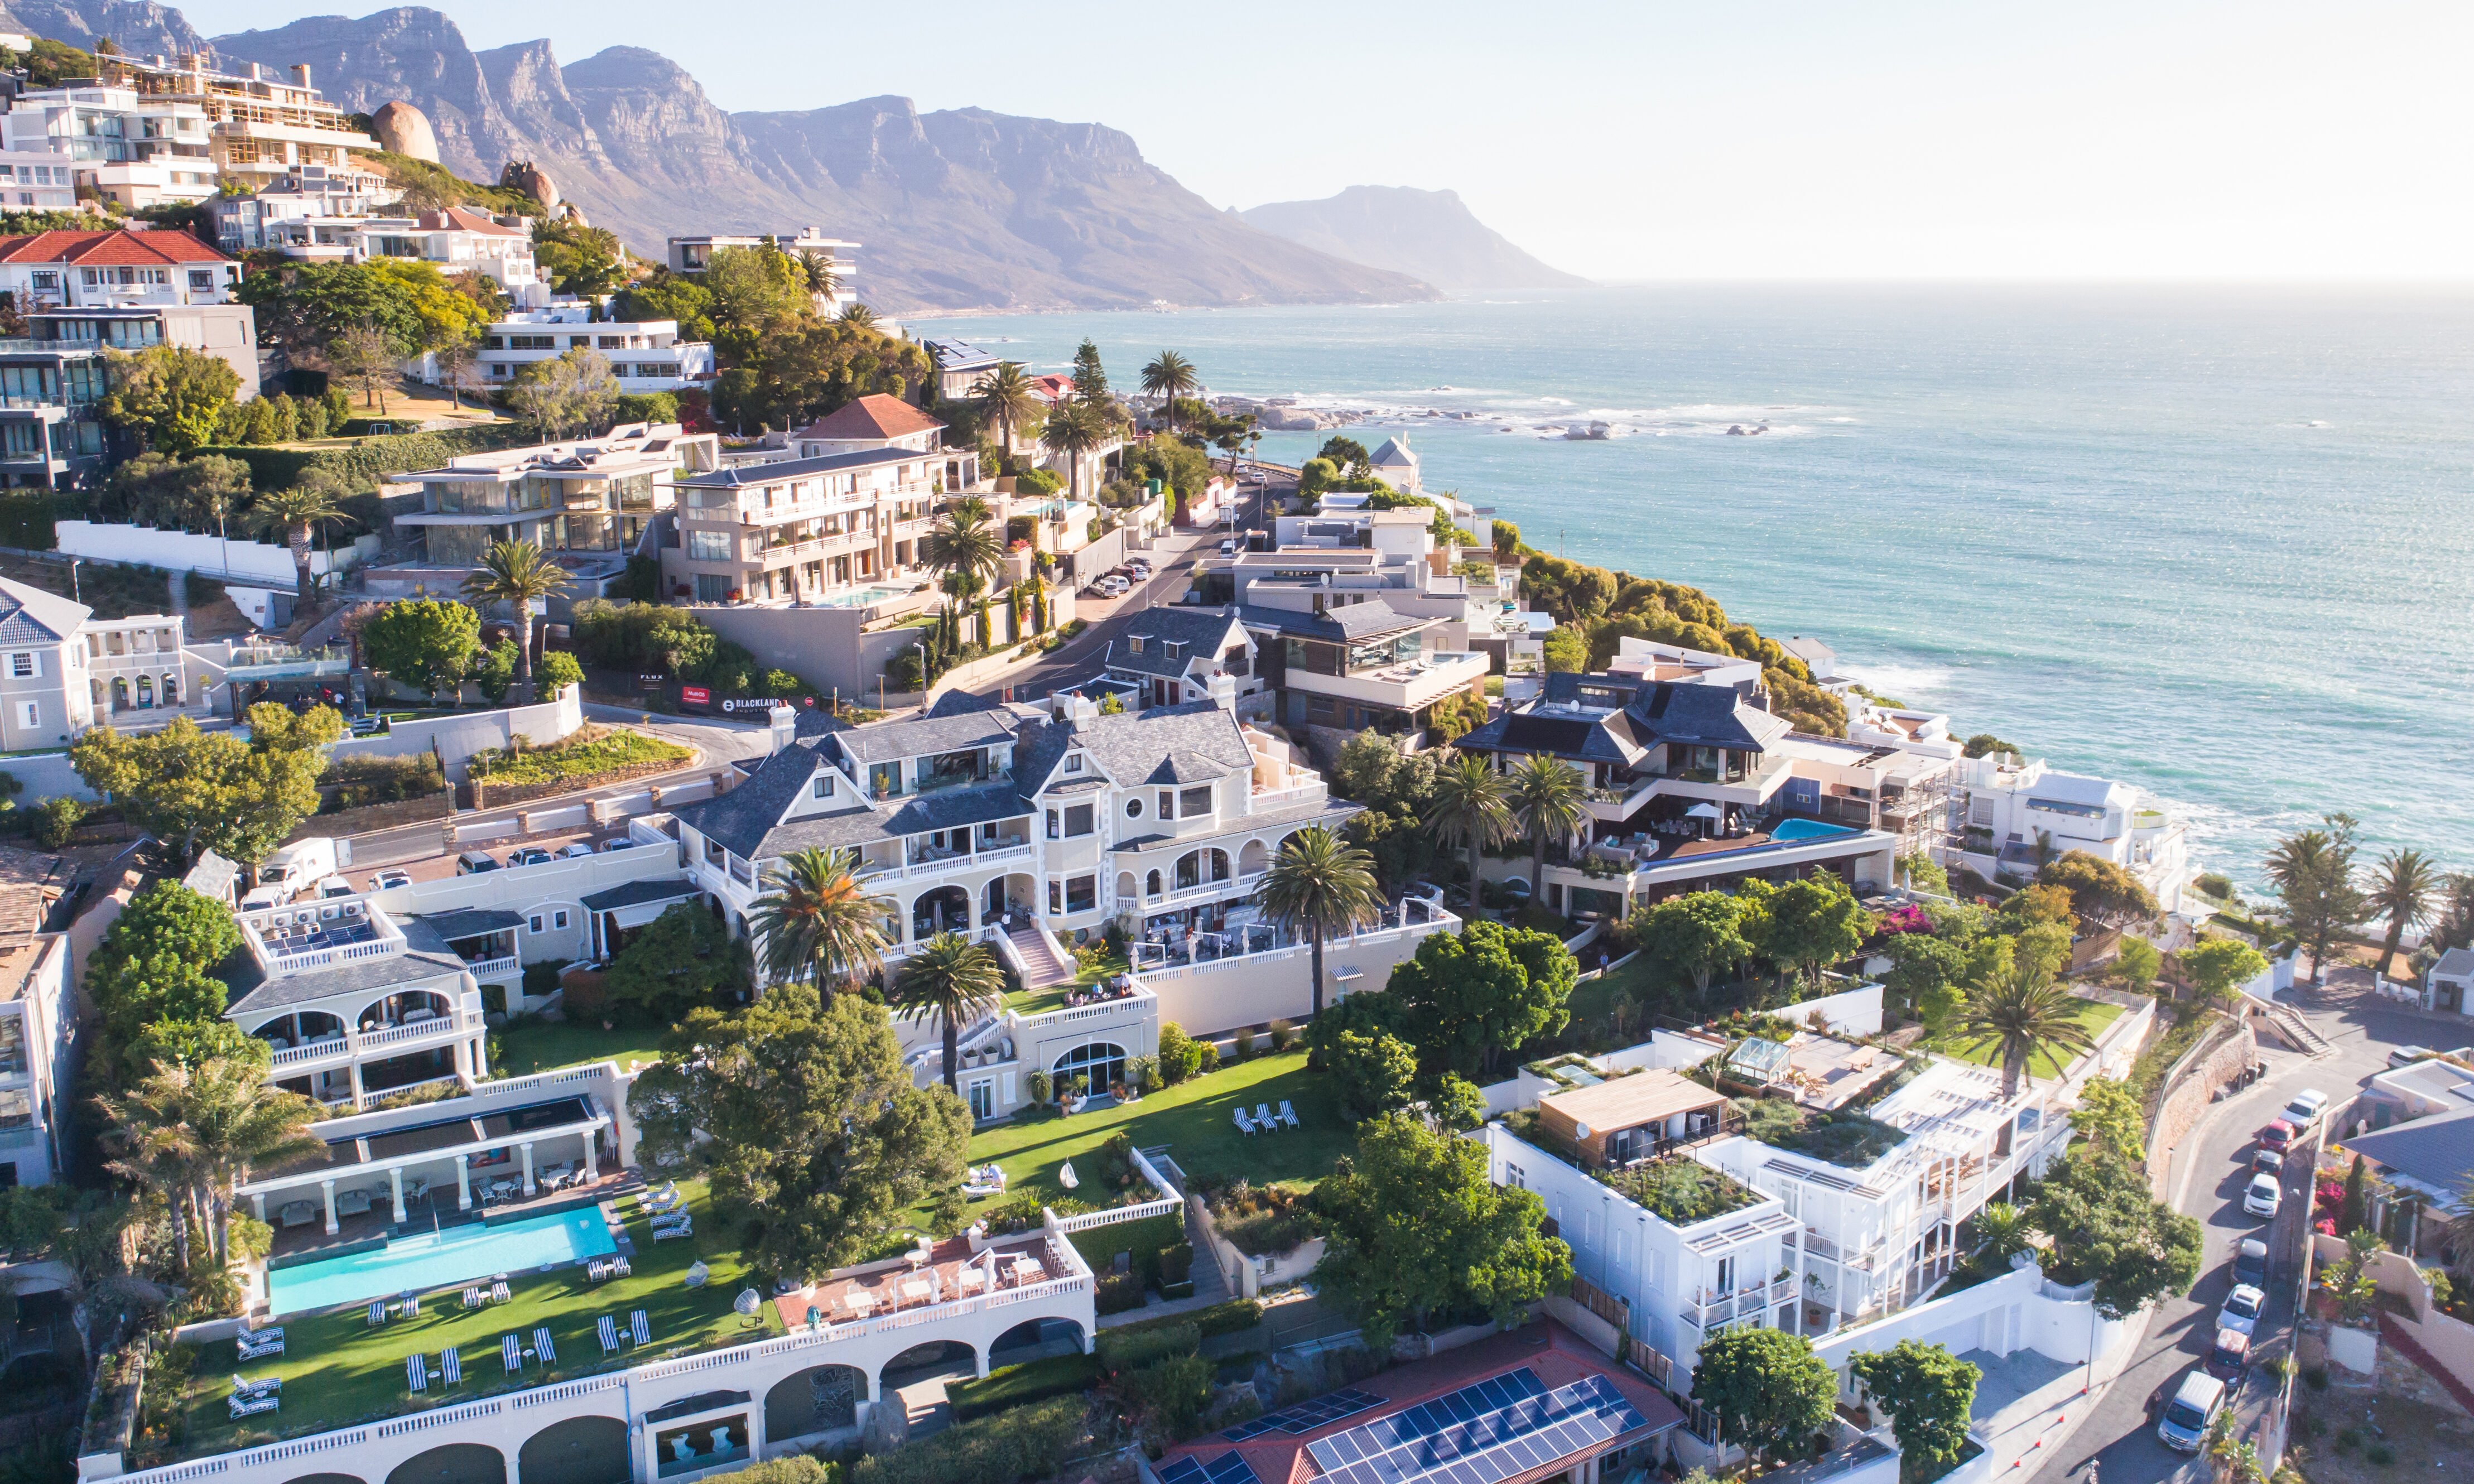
{"x": 1027, "y": 1442}
{"x": 1118, "y": 1292}
{"x": 1178, "y": 1054}
{"x": 363, "y": 780}
{"x": 1283, "y": 1034}
{"x": 1141, "y": 1344}
{"x": 1170, "y": 1395}
{"x": 2380, "y": 1453}
{"x": 1014, "y": 1386}
{"x": 1206, "y": 1057}
{"x": 1040, "y": 1087}
{"x": 1177, "y": 1263}
{"x": 1244, "y": 1045}
{"x": 56, "y": 819}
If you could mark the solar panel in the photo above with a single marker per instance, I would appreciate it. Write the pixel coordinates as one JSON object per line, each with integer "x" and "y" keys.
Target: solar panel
{"x": 1230, "y": 1468}
{"x": 1306, "y": 1416}
{"x": 1460, "y": 1439}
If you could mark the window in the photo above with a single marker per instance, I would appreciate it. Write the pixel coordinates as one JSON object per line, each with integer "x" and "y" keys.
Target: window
{"x": 822, "y": 788}
{"x": 984, "y": 1099}
{"x": 1074, "y": 763}
{"x": 712, "y": 589}
{"x": 1134, "y": 642}
{"x": 1168, "y": 804}
{"x": 558, "y": 920}
{"x": 536, "y": 923}
{"x": 1134, "y": 808}
{"x": 1191, "y": 802}
{"x": 34, "y": 716}
{"x": 1082, "y": 893}
{"x": 709, "y": 545}
{"x": 1515, "y": 1177}
{"x": 23, "y": 665}
{"x": 1055, "y": 825}
{"x": 532, "y": 342}
{"x": 202, "y": 278}
{"x": 1078, "y": 821}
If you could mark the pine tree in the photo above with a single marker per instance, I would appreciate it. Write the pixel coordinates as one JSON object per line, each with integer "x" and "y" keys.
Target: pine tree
{"x": 1090, "y": 383}
{"x": 2355, "y": 1213}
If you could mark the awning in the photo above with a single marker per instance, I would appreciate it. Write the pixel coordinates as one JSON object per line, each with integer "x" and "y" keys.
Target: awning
{"x": 1705, "y": 811}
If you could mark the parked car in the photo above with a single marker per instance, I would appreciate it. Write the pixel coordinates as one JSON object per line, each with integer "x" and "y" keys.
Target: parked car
{"x": 1142, "y": 571}
{"x": 2278, "y": 1135}
{"x": 2242, "y": 1308}
{"x": 2408, "y": 1055}
{"x": 388, "y": 881}
{"x": 1228, "y": 546}
{"x": 2264, "y": 1195}
{"x": 2229, "y": 1355}
{"x": 333, "y": 887}
{"x": 581, "y": 850}
{"x": 2305, "y": 1108}
{"x": 2250, "y": 1262}
{"x": 472, "y": 863}
{"x": 2195, "y": 1403}
{"x": 299, "y": 865}
{"x": 616, "y": 843}
{"x": 2268, "y": 1160}
{"x": 531, "y": 855}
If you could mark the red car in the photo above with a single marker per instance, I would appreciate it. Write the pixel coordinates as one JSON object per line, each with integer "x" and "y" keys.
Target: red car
{"x": 2277, "y": 1136}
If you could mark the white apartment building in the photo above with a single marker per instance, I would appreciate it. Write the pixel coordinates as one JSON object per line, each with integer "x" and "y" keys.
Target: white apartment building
{"x": 32, "y": 180}
{"x": 37, "y": 1018}
{"x": 834, "y": 529}
{"x": 134, "y": 148}
{"x": 2010, "y": 817}
{"x": 455, "y": 240}
{"x": 646, "y": 355}
{"x": 257, "y": 220}
{"x": 261, "y": 126}
{"x": 61, "y": 670}
{"x": 125, "y": 268}
{"x": 694, "y": 254}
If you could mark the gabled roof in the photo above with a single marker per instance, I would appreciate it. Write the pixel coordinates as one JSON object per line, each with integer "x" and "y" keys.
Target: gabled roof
{"x": 923, "y": 736}
{"x": 875, "y": 416}
{"x": 1704, "y": 716}
{"x": 110, "y": 249}
{"x": 31, "y": 615}
{"x": 2436, "y": 1152}
{"x": 2456, "y": 963}
{"x": 1395, "y": 453}
{"x": 1190, "y": 743}
{"x": 1203, "y": 634}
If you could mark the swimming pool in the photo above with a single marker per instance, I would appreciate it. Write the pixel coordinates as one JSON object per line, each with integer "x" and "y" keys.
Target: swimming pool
{"x": 438, "y": 1259}
{"x": 1791, "y": 830}
{"x": 858, "y": 600}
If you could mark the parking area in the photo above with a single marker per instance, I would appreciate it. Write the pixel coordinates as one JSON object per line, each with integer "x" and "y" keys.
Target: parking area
{"x": 444, "y": 863}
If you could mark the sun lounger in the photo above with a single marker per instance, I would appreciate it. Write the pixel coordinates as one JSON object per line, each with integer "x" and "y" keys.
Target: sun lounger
{"x": 498, "y": 1292}
{"x": 1288, "y": 1114}
{"x": 596, "y": 1270}
{"x": 272, "y": 1332}
{"x": 618, "y": 1268}
{"x": 416, "y": 1371}
{"x": 1245, "y": 1125}
{"x": 378, "y": 1312}
{"x": 545, "y": 1351}
{"x": 411, "y": 1307}
{"x": 683, "y": 1230}
{"x": 267, "y": 1387}
{"x": 472, "y": 1298}
{"x": 261, "y": 1346}
{"x": 251, "y": 1406}
{"x": 1263, "y": 1116}
{"x": 640, "y": 1328}
{"x": 511, "y": 1355}
{"x": 450, "y": 1363}
{"x": 609, "y": 1333}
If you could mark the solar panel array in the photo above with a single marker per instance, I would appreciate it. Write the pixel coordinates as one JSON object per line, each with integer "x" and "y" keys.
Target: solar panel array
{"x": 1497, "y": 1429}
{"x": 1227, "y": 1469}
{"x": 1306, "y": 1416}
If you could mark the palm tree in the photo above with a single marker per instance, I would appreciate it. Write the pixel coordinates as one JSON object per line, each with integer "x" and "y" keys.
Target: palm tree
{"x": 858, "y": 316}
{"x": 816, "y": 919}
{"x": 968, "y": 548}
{"x": 1075, "y": 427}
{"x": 2405, "y": 891}
{"x": 952, "y": 981}
{"x": 291, "y": 516}
{"x": 1168, "y": 377}
{"x": 1007, "y": 392}
{"x": 2001, "y": 1230}
{"x": 515, "y": 574}
{"x": 1469, "y": 810}
{"x": 2021, "y": 1013}
{"x": 199, "y": 1130}
{"x": 1551, "y": 800}
{"x": 1319, "y": 885}
{"x": 816, "y": 270}
{"x": 2314, "y": 874}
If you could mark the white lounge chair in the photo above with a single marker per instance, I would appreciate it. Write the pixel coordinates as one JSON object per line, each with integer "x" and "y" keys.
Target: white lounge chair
{"x": 609, "y": 1332}
{"x": 450, "y": 1365}
{"x": 618, "y": 1268}
{"x": 472, "y": 1298}
{"x": 1288, "y": 1114}
{"x": 683, "y": 1230}
{"x": 511, "y": 1355}
{"x": 1263, "y": 1116}
{"x": 261, "y": 1346}
{"x": 1245, "y": 1125}
{"x": 251, "y": 1406}
{"x": 416, "y": 1371}
{"x": 412, "y": 1306}
{"x": 640, "y": 1328}
{"x": 378, "y": 1312}
{"x": 545, "y": 1351}
{"x": 267, "y": 1387}
{"x": 498, "y": 1292}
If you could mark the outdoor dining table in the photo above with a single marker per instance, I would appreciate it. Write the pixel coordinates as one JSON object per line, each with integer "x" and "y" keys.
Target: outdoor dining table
{"x": 861, "y": 1303}
{"x": 918, "y": 1290}
{"x": 1027, "y": 1270}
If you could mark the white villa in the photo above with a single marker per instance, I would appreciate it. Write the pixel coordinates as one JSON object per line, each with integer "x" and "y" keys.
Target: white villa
{"x": 2011, "y": 816}
{"x": 646, "y": 355}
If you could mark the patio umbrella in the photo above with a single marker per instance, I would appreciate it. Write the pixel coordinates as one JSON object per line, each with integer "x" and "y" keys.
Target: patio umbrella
{"x": 1704, "y": 811}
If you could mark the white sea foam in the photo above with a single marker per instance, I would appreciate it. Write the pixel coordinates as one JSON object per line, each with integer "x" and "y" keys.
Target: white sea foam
{"x": 1901, "y": 682}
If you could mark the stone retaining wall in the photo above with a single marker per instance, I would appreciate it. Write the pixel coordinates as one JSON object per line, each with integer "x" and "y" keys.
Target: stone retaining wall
{"x": 2187, "y": 1101}
{"x": 367, "y": 818}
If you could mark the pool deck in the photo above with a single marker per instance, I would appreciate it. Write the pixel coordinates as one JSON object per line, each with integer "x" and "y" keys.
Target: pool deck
{"x": 311, "y": 1240}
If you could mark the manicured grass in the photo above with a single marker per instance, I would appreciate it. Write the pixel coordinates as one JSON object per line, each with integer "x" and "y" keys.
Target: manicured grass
{"x": 1193, "y": 1120}
{"x": 531, "y": 1046}
{"x": 338, "y": 1371}
{"x": 2093, "y": 1016}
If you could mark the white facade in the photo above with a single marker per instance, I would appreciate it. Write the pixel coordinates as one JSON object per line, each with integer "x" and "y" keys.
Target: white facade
{"x": 455, "y": 240}
{"x": 2011, "y": 816}
{"x": 61, "y": 670}
{"x": 694, "y": 254}
{"x": 138, "y": 149}
{"x": 259, "y": 220}
{"x": 34, "y": 181}
{"x": 646, "y": 355}
{"x": 37, "y": 1022}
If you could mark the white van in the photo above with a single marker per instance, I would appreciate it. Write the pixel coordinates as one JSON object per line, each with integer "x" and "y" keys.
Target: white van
{"x": 294, "y": 869}
{"x": 2187, "y": 1418}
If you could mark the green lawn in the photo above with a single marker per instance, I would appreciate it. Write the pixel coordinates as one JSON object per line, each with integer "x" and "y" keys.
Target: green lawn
{"x": 337, "y": 1370}
{"x": 538, "y": 1045}
{"x": 1193, "y": 1120}
{"x": 1039, "y": 1001}
{"x": 2093, "y": 1016}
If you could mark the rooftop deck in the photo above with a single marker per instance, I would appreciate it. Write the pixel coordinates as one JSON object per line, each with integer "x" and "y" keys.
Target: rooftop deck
{"x": 939, "y": 1274}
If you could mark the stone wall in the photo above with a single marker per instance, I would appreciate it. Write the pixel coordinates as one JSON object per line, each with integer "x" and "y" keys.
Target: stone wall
{"x": 2187, "y": 1101}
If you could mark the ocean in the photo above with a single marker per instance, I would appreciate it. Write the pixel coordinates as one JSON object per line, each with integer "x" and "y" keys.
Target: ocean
{"x": 2217, "y": 542}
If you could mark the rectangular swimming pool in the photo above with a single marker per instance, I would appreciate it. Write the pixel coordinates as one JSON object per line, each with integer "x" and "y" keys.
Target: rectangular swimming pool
{"x": 439, "y": 1260}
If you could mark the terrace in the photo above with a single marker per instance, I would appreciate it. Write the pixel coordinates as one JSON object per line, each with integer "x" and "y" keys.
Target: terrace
{"x": 930, "y": 1274}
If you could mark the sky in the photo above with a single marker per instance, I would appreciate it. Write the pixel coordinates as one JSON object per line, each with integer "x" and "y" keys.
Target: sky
{"x": 2261, "y": 140}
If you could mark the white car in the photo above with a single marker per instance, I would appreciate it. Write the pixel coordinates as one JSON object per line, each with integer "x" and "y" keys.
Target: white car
{"x": 618, "y": 843}
{"x": 388, "y": 881}
{"x": 2241, "y": 1310}
{"x": 2262, "y": 1196}
{"x": 1228, "y": 546}
{"x": 581, "y": 850}
{"x": 1142, "y": 571}
{"x": 2306, "y": 1107}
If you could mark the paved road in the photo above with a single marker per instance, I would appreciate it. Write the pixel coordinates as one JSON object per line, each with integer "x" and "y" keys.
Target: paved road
{"x": 2120, "y": 1435}
{"x": 1172, "y": 562}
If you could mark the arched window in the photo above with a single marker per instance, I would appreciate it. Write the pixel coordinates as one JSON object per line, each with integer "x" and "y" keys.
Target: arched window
{"x": 1102, "y": 1062}
{"x": 145, "y": 690}
{"x": 1189, "y": 870}
{"x": 171, "y": 688}
{"x": 1151, "y": 884}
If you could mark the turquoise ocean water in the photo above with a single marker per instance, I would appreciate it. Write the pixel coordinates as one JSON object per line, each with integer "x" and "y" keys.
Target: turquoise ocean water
{"x": 2217, "y": 542}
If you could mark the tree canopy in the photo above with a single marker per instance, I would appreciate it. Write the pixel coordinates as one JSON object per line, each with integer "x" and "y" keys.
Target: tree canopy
{"x": 818, "y": 1141}
{"x": 1931, "y": 1396}
{"x": 1480, "y": 993}
{"x": 2108, "y": 1230}
{"x": 196, "y": 790}
{"x": 1805, "y": 925}
{"x": 1415, "y": 1227}
{"x": 1695, "y": 936}
{"x": 2101, "y": 892}
{"x": 684, "y": 958}
{"x": 2219, "y": 967}
{"x": 169, "y": 395}
{"x": 424, "y": 641}
{"x": 153, "y": 972}
{"x": 1770, "y": 1391}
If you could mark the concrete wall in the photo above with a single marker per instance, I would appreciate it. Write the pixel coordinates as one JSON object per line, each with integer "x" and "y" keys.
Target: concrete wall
{"x": 1856, "y": 1011}
{"x": 236, "y": 560}
{"x": 456, "y": 738}
{"x": 2019, "y": 1311}
{"x": 45, "y": 775}
{"x": 1212, "y": 999}
{"x": 2187, "y": 1101}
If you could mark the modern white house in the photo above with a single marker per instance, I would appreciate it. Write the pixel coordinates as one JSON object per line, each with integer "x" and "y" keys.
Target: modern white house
{"x": 694, "y": 254}
{"x": 37, "y": 180}
{"x": 261, "y": 126}
{"x": 454, "y": 241}
{"x": 38, "y": 1017}
{"x": 646, "y": 355}
{"x": 261, "y": 218}
{"x": 130, "y": 147}
{"x": 2011, "y": 816}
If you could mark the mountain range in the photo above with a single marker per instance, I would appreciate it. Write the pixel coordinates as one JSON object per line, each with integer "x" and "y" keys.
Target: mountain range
{"x": 1428, "y": 235}
{"x": 955, "y": 210}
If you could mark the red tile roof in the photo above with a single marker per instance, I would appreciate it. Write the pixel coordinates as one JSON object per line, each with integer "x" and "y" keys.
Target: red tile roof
{"x": 108, "y": 249}
{"x": 1558, "y": 1357}
{"x": 877, "y": 416}
{"x": 1053, "y": 389}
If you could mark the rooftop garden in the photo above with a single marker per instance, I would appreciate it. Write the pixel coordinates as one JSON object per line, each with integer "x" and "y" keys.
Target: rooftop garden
{"x": 1842, "y": 1139}
{"x": 1681, "y": 1190}
{"x": 338, "y": 1371}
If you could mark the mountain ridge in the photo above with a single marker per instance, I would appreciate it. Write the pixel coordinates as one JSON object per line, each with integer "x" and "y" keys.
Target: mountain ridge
{"x": 955, "y": 211}
{"x": 1428, "y": 235}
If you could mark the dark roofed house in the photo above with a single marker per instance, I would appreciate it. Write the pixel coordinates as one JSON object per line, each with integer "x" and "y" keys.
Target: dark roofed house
{"x": 1172, "y": 653}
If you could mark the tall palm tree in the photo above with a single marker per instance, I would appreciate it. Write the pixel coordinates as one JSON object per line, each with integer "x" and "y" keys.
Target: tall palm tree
{"x": 292, "y": 515}
{"x": 515, "y": 574}
{"x": 201, "y": 1130}
{"x": 1551, "y": 799}
{"x": 1008, "y": 391}
{"x": 1469, "y": 810}
{"x": 816, "y": 919}
{"x": 859, "y": 316}
{"x": 1168, "y": 377}
{"x": 1076, "y": 427}
{"x": 2313, "y": 872}
{"x": 2019, "y": 1013}
{"x": 968, "y": 547}
{"x": 952, "y": 981}
{"x": 818, "y": 272}
{"x": 1319, "y": 885}
{"x": 2405, "y": 891}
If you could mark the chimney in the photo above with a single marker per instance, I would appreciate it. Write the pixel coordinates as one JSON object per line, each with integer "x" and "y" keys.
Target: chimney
{"x": 1076, "y": 709}
{"x": 785, "y": 726}
{"x": 1223, "y": 690}
{"x": 300, "y": 73}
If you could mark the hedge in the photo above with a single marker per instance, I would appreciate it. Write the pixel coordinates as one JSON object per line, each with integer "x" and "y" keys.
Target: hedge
{"x": 1026, "y": 1443}
{"x": 1234, "y": 1317}
{"x": 1135, "y": 1346}
{"x": 1014, "y": 1386}
{"x": 366, "y": 459}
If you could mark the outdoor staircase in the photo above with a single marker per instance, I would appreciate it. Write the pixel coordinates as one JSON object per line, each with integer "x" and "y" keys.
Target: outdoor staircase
{"x": 2290, "y": 1024}
{"x": 1043, "y": 963}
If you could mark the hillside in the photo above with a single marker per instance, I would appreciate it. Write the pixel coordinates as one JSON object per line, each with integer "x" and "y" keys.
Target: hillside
{"x": 1428, "y": 235}
{"x": 955, "y": 211}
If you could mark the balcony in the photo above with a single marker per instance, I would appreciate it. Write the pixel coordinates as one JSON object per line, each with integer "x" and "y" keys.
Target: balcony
{"x": 1409, "y": 686}
{"x": 1705, "y": 1309}
{"x": 354, "y": 1045}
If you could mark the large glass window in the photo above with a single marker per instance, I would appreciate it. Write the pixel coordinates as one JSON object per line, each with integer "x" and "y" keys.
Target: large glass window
{"x": 1077, "y": 820}
{"x": 13, "y": 1046}
{"x": 709, "y": 545}
{"x": 1191, "y": 802}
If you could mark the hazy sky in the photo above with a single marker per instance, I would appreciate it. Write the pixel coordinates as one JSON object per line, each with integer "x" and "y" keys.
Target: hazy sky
{"x": 2262, "y": 139}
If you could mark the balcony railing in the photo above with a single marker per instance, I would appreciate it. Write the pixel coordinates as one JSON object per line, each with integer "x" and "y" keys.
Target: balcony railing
{"x": 486, "y": 970}
{"x": 352, "y": 1045}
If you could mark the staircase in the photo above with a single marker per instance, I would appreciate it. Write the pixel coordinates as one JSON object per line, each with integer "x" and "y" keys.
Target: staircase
{"x": 2290, "y": 1024}
{"x": 1043, "y": 963}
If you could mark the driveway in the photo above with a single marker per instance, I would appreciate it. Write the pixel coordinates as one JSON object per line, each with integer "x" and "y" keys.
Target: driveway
{"x": 1172, "y": 562}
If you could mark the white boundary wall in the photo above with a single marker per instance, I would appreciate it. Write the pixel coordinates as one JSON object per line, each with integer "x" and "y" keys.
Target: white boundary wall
{"x": 240, "y": 560}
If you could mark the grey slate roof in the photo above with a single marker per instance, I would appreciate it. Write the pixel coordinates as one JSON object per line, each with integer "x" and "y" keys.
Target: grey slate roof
{"x": 471, "y": 922}
{"x": 1369, "y": 620}
{"x": 923, "y": 736}
{"x": 739, "y": 818}
{"x": 1704, "y": 716}
{"x": 794, "y": 468}
{"x": 2436, "y": 1151}
{"x": 636, "y": 894}
{"x": 31, "y": 615}
{"x": 1186, "y": 744}
{"x": 427, "y": 956}
{"x": 212, "y": 876}
{"x": 2456, "y": 963}
{"x": 1204, "y": 633}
